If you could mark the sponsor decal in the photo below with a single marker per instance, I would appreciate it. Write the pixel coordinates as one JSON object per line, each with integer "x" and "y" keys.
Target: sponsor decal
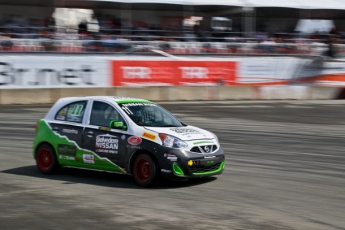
{"x": 104, "y": 128}
{"x": 149, "y": 136}
{"x": 166, "y": 171}
{"x": 210, "y": 157}
{"x": 123, "y": 137}
{"x": 88, "y": 158}
{"x": 70, "y": 131}
{"x": 68, "y": 150}
{"x": 67, "y": 158}
{"x": 203, "y": 142}
{"x": 106, "y": 144}
{"x": 170, "y": 157}
{"x": 133, "y": 146}
{"x": 138, "y": 104}
{"x": 63, "y": 111}
{"x": 134, "y": 140}
{"x": 185, "y": 131}
{"x": 127, "y": 109}
{"x": 61, "y": 118}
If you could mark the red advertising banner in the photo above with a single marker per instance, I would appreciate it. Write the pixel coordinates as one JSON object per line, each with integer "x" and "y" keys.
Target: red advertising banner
{"x": 158, "y": 72}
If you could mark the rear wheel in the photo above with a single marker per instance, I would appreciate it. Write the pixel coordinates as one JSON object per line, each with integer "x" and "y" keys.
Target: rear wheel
{"x": 145, "y": 170}
{"x": 46, "y": 159}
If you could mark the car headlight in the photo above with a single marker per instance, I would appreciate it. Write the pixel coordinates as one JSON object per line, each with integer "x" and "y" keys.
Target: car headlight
{"x": 172, "y": 142}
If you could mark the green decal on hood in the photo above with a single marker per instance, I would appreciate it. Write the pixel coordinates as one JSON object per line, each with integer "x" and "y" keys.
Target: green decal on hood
{"x": 81, "y": 157}
{"x": 203, "y": 142}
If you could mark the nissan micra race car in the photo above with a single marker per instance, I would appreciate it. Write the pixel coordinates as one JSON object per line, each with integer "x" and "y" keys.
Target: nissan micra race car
{"x": 124, "y": 135}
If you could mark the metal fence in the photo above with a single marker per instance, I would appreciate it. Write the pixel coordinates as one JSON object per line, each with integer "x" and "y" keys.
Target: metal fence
{"x": 175, "y": 48}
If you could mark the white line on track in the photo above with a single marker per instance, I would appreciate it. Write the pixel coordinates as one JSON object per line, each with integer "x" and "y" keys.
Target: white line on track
{"x": 255, "y": 102}
{"x": 16, "y": 128}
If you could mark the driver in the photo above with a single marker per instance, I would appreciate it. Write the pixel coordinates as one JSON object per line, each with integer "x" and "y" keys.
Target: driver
{"x": 136, "y": 114}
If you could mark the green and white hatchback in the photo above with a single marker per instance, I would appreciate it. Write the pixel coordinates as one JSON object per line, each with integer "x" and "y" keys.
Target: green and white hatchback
{"x": 124, "y": 135}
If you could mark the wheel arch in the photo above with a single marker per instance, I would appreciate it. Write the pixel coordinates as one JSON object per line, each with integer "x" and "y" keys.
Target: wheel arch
{"x": 44, "y": 143}
{"x": 136, "y": 154}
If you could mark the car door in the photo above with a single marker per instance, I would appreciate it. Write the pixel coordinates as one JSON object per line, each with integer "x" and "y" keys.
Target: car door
{"x": 109, "y": 145}
{"x": 68, "y": 123}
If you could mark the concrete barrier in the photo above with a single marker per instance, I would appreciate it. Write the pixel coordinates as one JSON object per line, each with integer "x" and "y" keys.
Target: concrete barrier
{"x": 322, "y": 93}
{"x": 170, "y": 93}
{"x": 25, "y": 96}
{"x": 283, "y": 92}
{"x": 237, "y": 93}
{"x": 149, "y": 93}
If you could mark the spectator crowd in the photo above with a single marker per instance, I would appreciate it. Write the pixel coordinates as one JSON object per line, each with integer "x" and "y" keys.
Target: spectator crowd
{"x": 112, "y": 35}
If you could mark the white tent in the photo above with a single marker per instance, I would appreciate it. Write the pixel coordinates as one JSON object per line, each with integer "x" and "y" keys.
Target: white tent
{"x": 312, "y": 26}
{"x": 298, "y": 4}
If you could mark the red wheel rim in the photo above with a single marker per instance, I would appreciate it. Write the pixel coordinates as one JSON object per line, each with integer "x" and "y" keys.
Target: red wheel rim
{"x": 44, "y": 159}
{"x": 143, "y": 169}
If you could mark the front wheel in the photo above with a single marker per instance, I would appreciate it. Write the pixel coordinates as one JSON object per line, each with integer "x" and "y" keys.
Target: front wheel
{"x": 46, "y": 159}
{"x": 145, "y": 170}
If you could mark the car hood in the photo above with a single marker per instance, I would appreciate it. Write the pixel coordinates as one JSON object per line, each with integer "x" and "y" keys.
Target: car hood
{"x": 184, "y": 133}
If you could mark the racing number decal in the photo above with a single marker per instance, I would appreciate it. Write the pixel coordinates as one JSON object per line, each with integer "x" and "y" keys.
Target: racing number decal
{"x": 77, "y": 110}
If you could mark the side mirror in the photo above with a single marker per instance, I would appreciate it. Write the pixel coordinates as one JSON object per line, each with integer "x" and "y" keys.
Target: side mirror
{"x": 117, "y": 125}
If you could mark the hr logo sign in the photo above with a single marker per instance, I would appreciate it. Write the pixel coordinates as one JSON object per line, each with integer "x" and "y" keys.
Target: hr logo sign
{"x": 194, "y": 72}
{"x": 132, "y": 72}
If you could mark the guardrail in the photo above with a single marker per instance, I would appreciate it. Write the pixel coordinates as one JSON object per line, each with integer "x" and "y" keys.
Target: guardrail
{"x": 174, "y": 93}
{"x": 172, "y": 47}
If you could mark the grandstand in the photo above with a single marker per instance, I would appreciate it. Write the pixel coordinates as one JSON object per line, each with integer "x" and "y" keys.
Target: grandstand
{"x": 174, "y": 26}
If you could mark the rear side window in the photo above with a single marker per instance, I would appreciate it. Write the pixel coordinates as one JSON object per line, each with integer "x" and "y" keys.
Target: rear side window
{"x": 73, "y": 112}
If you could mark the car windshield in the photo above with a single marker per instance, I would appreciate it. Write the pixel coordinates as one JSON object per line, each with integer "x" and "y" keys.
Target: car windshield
{"x": 150, "y": 114}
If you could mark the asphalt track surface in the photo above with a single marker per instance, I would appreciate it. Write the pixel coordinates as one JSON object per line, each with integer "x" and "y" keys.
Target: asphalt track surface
{"x": 285, "y": 170}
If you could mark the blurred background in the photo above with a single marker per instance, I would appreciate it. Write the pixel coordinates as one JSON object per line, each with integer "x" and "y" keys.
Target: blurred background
{"x": 260, "y": 74}
{"x": 178, "y": 27}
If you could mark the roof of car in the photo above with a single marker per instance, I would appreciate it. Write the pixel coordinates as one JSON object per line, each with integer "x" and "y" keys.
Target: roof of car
{"x": 117, "y": 99}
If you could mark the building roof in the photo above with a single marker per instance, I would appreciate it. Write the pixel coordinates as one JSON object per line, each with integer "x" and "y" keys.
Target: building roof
{"x": 298, "y": 4}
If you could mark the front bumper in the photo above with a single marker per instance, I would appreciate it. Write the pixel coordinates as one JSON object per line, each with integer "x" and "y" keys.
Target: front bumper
{"x": 190, "y": 165}
{"x": 215, "y": 170}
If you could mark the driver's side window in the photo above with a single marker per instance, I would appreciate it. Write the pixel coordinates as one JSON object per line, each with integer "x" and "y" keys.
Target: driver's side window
{"x": 102, "y": 114}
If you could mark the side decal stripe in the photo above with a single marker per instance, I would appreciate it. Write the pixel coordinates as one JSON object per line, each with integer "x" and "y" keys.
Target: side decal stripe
{"x": 84, "y": 150}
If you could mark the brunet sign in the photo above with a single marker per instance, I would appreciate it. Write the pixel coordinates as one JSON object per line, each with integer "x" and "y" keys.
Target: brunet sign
{"x": 158, "y": 72}
{"x": 32, "y": 72}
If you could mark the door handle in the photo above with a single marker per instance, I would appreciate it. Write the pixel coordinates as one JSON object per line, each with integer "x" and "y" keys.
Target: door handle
{"x": 90, "y": 134}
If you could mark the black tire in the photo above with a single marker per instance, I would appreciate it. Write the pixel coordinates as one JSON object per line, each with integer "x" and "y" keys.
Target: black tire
{"x": 46, "y": 160}
{"x": 145, "y": 170}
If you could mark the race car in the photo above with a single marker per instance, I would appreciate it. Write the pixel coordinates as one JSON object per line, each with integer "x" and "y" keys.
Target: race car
{"x": 124, "y": 135}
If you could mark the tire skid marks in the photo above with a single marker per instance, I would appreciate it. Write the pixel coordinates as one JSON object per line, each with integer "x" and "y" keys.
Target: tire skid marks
{"x": 267, "y": 135}
{"x": 231, "y": 124}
